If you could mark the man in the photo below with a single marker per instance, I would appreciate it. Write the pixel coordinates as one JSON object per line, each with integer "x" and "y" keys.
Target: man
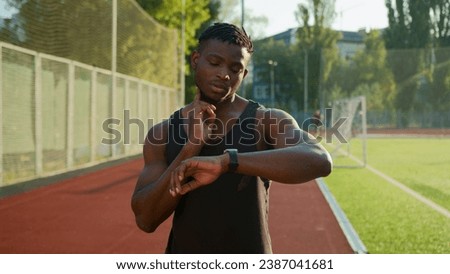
{"x": 212, "y": 162}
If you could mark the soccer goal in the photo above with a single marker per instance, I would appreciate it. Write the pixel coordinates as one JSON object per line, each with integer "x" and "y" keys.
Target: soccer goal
{"x": 350, "y": 149}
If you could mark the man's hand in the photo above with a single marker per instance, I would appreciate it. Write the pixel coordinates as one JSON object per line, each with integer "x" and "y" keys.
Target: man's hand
{"x": 196, "y": 172}
{"x": 201, "y": 120}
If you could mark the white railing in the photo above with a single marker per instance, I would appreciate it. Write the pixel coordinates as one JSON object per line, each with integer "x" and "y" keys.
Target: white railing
{"x": 58, "y": 115}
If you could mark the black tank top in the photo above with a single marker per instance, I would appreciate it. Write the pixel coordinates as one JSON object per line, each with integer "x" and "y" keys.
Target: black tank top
{"x": 231, "y": 214}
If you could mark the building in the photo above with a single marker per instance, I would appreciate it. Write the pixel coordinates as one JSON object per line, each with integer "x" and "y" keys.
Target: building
{"x": 348, "y": 45}
{"x": 264, "y": 85}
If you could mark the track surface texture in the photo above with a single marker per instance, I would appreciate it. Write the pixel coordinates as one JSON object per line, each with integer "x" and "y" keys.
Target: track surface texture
{"x": 91, "y": 214}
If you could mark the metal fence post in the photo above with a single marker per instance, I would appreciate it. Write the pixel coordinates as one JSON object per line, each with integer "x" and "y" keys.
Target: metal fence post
{"x": 140, "y": 110}
{"x": 1, "y": 114}
{"x": 93, "y": 115}
{"x": 38, "y": 113}
{"x": 70, "y": 114}
{"x": 127, "y": 108}
{"x": 113, "y": 66}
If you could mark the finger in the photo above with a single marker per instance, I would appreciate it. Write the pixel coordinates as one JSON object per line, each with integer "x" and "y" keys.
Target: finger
{"x": 211, "y": 113}
{"x": 189, "y": 186}
{"x": 173, "y": 184}
{"x": 207, "y": 111}
{"x": 179, "y": 176}
{"x": 186, "y": 169}
{"x": 199, "y": 106}
{"x": 201, "y": 112}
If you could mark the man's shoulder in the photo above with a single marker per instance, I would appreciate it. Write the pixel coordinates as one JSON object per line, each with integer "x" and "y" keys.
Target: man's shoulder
{"x": 268, "y": 114}
{"x": 157, "y": 134}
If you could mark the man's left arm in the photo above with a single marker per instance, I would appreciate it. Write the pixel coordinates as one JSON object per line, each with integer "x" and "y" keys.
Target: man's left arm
{"x": 296, "y": 157}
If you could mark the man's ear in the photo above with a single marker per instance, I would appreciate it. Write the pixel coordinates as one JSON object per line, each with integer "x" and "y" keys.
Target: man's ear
{"x": 194, "y": 59}
{"x": 245, "y": 73}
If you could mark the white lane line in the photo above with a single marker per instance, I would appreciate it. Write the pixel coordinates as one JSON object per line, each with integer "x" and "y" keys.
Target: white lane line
{"x": 406, "y": 189}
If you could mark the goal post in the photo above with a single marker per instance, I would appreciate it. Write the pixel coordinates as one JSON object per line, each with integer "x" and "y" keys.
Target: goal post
{"x": 351, "y": 150}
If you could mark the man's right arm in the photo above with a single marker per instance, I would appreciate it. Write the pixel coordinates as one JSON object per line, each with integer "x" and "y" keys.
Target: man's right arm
{"x": 152, "y": 203}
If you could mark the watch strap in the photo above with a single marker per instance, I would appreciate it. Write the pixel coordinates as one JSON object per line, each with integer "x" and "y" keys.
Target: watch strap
{"x": 233, "y": 164}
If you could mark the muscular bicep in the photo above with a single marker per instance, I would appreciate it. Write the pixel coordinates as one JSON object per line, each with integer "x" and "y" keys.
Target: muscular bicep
{"x": 150, "y": 174}
{"x": 282, "y": 130}
{"x": 155, "y": 163}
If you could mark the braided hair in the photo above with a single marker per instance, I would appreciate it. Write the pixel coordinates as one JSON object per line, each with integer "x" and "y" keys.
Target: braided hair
{"x": 227, "y": 33}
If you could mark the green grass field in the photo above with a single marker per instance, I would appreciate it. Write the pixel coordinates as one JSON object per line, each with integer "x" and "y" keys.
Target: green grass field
{"x": 387, "y": 219}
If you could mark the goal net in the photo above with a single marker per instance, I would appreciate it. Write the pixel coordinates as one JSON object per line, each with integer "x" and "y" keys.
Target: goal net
{"x": 349, "y": 144}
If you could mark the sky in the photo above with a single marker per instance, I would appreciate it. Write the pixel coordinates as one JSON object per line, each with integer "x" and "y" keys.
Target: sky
{"x": 352, "y": 15}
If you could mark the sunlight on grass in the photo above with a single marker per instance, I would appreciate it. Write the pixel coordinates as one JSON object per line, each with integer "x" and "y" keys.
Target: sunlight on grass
{"x": 421, "y": 164}
{"x": 387, "y": 219}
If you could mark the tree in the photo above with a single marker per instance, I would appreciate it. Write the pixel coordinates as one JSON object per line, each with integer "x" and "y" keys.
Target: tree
{"x": 231, "y": 11}
{"x": 169, "y": 13}
{"x": 407, "y": 37}
{"x": 366, "y": 73}
{"x": 285, "y": 78}
{"x": 9, "y": 31}
{"x": 197, "y": 13}
{"x": 370, "y": 69}
{"x": 440, "y": 22}
{"x": 440, "y": 64}
{"x": 71, "y": 29}
{"x": 317, "y": 42}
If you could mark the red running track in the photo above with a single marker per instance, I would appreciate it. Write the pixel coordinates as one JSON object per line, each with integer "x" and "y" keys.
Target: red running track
{"x": 91, "y": 214}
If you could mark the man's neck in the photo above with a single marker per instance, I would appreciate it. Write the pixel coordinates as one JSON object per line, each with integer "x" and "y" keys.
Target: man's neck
{"x": 230, "y": 106}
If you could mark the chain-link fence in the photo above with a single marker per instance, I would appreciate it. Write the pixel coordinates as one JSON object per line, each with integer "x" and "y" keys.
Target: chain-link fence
{"x": 65, "y": 104}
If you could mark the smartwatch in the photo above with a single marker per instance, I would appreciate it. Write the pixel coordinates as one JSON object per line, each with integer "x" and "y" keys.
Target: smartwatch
{"x": 233, "y": 165}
